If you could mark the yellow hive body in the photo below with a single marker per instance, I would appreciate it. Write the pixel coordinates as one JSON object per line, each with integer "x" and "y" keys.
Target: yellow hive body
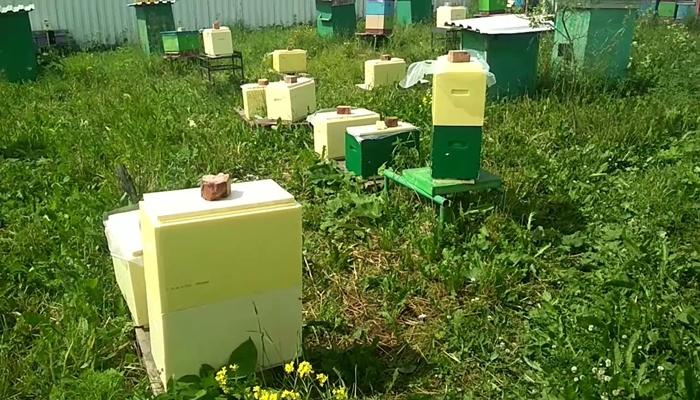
{"x": 329, "y": 130}
{"x": 217, "y": 42}
{"x": 459, "y": 93}
{"x": 448, "y": 13}
{"x": 376, "y": 22}
{"x": 220, "y": 272}
{"x": 384, "y": 72}
{"x": 124, "y": 240}
{"x": 291, "y": 101}
{"x": 253, "y": 100}
{"x": 289, "y": 61}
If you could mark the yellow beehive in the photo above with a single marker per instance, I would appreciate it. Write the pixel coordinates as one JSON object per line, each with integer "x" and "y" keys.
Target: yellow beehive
{"x": 124, "y": 241}
{"x": 291, "y": 101}
{"x": 289, "y": 61}
{"x": 330, "y": 126}
{"x": 459, "y": 93}
{"x": 254, "y": 99}
{"x": 220, "y": 272}
{"x": 217, "y": 42}
{"x": 448, "y": 13}
{"x": 384, "y": 72}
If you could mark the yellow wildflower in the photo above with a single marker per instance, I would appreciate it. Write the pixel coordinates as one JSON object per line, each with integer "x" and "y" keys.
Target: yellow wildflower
{"x": 322, "y": 379}
{"x": 289, "y": 367}
{"x": 256, "y": 392}
{"x": 340, "y": 393}
{"x": 290, "y": 395}
{"x": 305, "y": 369}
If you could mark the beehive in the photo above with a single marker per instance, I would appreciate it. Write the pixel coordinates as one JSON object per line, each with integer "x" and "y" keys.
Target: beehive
{"x": 181, "y": 42}
{"x": 291, "y": 101}
{"x": 254, "y": 99}
{"x": 330, "y": 127}
{"x": 221, "y": 272}
{"x": 335, "y": 17}
{"x": 447, "y": 13}
{"x": 510, "y": 43}
{"x": 17, "y": 54}
{"x": 596, "y": 37}
{"x": 685, "y": 10}
{"x": 152, "y": 18}
{"x": 124, "y": 241}
{"x": 384, "y": 71}
{"x": 368, "y": 147}
{"x": 667, "y": 9}
{"x": 217, "y": 42}
{"x": 289, "y": 61}
{"x": 492, "y": 6}
{"x": 409, "y": 12}
{"x": 459, "y": 93}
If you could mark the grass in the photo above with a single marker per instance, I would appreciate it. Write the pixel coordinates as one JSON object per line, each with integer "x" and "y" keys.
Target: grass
{"x": 589, "y": 261}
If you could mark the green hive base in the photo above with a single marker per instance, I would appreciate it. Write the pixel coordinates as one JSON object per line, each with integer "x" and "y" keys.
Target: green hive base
{"x": 181, "y": 42}
{"x": 456, "y": 152}
{"x": 364, "y": 158}
{"x": 421, "y": 180}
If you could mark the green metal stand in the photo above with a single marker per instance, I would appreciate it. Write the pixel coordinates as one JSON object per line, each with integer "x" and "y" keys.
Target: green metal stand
{"x": 420, "y": 180}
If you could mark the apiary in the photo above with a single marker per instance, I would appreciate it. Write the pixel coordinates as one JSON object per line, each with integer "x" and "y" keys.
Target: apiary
{"x": 217, "y": 41}
{"x": 181, "y": 42}
{"x": 254, "y": 99}
{"x": 386, "y": 70}
{"x": 492, "y": 6}
{"x": 292, "y": 99}
{"x": 17, "y": 54}
{"x": 510, "y": 45}
{"x": 447, "y": 13}
{"x": 599, "y": 38}
{"x": 330, "y": 127}
{"x": 124, "y": 240}
{"x": 289, "y": 61}
{"x": 409, "y": 12}
{"x": 152, "y": 18}
{"x": 368, "y": 147}
{"x": 221, "y": 272}
{"x": 335, "y": 18}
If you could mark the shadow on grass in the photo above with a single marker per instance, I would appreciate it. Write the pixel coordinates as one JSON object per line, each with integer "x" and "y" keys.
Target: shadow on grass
{"x": 367, "y": 366}
{"x": 25, "y": 149}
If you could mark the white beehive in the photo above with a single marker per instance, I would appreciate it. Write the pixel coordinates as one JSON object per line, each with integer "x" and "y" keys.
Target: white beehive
{"x": 217, "y": 41}
{"x": 448, "y": 13}
{"x": 124, "y": 241}
{"x": 330, "y": 126}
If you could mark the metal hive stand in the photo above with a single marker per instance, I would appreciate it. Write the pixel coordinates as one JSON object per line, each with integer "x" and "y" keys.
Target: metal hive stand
{"x": 233, "y": 63}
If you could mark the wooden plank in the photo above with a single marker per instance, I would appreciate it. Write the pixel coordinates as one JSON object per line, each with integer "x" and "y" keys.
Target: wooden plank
{"x": 143, "y": 343}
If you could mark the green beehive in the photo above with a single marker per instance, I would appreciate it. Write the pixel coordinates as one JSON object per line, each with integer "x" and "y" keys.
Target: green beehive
{"x": 667, "y": 9}
{"x": 456, "y": 151}
{"x": 17, "y": 54}
{"x": 335, "y": 18}
{"x": 181, "y": 42}
{"x": 492, "y": 6}
{"x": 152, "y": 18}
{"x": 368, "y": 147}
{"x": 597, "y": 38}
{"x": 409, "y": 12}
{"x": 511, "y": 47}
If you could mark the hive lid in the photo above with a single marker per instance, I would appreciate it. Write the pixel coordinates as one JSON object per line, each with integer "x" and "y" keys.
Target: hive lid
{"x": 393, "y": 60}
{"x": 16, "y": 8}
{"x": 188, "y": 203}
{"x": 252, "y": 86}
{"x": 332, "y": 115}
{"x": 365, "y": 132}
{"x": 505, "y": 24}
{"x": 301, "y": 80}
{"x": 151, "y": 3}
{"x": 124, "y": 235}
{"x": 609, "y": 4}
{"x": 289, "y": 51}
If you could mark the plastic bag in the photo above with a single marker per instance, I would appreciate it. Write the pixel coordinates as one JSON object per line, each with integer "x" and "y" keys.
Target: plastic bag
{"x": 418, "y": 70}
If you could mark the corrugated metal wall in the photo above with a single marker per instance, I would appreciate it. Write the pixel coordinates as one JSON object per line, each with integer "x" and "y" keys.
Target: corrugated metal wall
{"x": 112, "y": 22}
